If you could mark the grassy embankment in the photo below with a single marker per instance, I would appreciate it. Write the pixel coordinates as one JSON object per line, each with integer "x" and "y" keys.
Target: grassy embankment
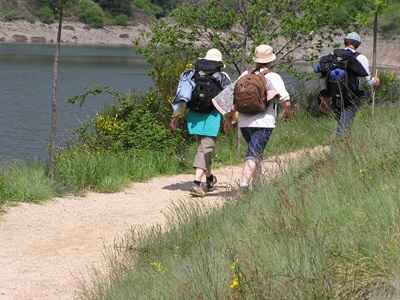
{"x": 327, "y": 230}
{"x": 79, "y": 170}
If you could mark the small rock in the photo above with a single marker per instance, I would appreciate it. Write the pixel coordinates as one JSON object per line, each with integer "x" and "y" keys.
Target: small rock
{"x": 124, "y": 36}
{"x": 75, "y": 37}
{"x": 69, "y": 27}
{"x": 19, "y": 38}
{"x": 2, "y": 39}
{"x": 86, "y": 27}
{"x": 38, "y": 39}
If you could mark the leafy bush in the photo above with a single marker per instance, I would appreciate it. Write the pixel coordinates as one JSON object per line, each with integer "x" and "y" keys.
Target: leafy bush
{"x": 121, "y": 20}
{"x": 389, "y": 91}
{"x": 46, "y": 14}
{"x": 148, "y": 7}
{"x": 9, "y": 15}
{"x": 116, "y": 7}
{"x": 390, "y": 20}
{"x": 91, "y": 13}
{"x": 135, "y": 121}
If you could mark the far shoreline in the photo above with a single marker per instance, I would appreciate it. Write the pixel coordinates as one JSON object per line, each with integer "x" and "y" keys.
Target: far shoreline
{"x": 70, "y": 45}
{"x": 73, "y": 34}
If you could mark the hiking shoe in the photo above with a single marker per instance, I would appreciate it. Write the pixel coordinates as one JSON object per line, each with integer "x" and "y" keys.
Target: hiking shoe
{"x": 211, "y": 182}
{"x": 198, "y": 191}
{"x": 244, "y": 189}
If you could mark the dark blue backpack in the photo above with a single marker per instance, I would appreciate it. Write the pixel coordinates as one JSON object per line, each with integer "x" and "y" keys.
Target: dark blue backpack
{"x": 341, "y": 70}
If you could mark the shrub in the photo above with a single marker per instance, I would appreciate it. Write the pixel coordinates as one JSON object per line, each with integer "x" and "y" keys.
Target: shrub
{"x": 121, "y": 20}
{"x": 148, "y": 7}
{"x": 389, "y": 91}
{"x": 91, "y": 13}
{"x": 46, "y": 15}
{"x": 9, "y": 15}
{"x": 116, "y": 7}
{"x": 135, "y": 121}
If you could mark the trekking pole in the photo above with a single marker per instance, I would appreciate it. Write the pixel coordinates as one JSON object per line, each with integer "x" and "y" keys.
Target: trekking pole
{"x": 373, "y": 94}
{"x": 374, "y": 67}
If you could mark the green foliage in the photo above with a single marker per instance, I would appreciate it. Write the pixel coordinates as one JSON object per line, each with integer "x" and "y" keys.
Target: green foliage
{"x": 390, "y": 20}
{"x": 135, "y": 122}
{"x": 9, "y": 15}
{"x": 236, "y": 27}
{"x": 22, "y": 181}
{"x": 148, "y": 7}
{"x": 116, "y": 7}
{"x": 46, "y": 14}
{"x": 121, "y": 20}
{"x": 327, "y": 229}
{"x": 106, "y": 171}
{"x": 91, "y": 13}
{"x": 389, "y": 91}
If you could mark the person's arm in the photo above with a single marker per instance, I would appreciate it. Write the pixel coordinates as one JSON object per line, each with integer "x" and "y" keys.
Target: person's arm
{"x": 372, "y": 80}
{"x": 275, "y": 82}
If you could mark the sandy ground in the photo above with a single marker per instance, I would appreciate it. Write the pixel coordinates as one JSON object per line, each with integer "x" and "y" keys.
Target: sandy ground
{"x": 47, "y": 250}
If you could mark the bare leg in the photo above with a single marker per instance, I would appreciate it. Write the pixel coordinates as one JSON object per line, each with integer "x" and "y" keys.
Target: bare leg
{"x": 248, "y": 172}
{"x": 199, "y": 173}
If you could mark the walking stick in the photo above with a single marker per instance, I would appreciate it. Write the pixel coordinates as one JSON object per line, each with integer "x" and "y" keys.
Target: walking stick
{"x": 374, "y": 67}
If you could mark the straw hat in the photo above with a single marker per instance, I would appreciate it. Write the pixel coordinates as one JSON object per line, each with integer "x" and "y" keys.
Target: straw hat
{"x": 214, "y": 55}
{"x": 264, "y": 54}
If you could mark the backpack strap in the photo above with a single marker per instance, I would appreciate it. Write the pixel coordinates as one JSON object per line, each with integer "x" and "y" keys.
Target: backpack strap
{"x": 265, "y": 72}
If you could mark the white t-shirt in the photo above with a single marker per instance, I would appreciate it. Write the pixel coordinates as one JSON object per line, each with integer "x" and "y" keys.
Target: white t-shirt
{"x": 266, "y": 119}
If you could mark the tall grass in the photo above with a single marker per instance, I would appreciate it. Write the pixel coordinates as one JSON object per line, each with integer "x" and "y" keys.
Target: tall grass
{"x": 78, "y": 169}
{"x": 329, "y": 229}
{"x": 25, "y": 181}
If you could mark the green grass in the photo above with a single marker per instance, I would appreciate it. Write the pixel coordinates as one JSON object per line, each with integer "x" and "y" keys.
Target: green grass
{"x": 105, "y": 171}
{"x": 327, "y": 229}
{"x": 24, "y": 181}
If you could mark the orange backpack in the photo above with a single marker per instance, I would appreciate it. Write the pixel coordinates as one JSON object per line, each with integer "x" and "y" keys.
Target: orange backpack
{"x": 250, "y": 93}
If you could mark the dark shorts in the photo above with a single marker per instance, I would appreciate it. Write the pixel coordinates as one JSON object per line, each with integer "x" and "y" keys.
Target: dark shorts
{"x": 256, "y": 139}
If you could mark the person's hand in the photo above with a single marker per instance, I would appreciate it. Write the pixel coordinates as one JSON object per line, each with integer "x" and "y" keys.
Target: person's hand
{"x": 323, "y": 106}
{"x": 173, "y": 124}
{"x": 228, "y": 122}
{"x": 376, "y": 82}
{"x": 287, "y": 112}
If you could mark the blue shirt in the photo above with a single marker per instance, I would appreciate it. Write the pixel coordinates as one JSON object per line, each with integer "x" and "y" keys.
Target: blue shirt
{"x": 204, "y": 124}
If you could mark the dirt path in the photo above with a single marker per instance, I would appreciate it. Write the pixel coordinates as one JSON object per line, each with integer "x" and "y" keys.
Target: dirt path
{"x": 45, "y": 250}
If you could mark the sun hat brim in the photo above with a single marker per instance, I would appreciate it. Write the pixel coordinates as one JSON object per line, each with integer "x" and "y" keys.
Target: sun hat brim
{"x": 265, "y": 60}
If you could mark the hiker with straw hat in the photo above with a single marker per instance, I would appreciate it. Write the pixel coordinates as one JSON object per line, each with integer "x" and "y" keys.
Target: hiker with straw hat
{"x": 196, "y": 89}
{"x": 257, "y": 117}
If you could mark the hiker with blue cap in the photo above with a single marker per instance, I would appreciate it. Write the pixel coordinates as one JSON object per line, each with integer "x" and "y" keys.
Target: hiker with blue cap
{"x": 343, "y": 70}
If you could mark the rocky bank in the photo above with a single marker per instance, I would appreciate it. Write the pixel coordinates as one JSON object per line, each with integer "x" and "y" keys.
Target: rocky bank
{"x": 74, "y": 33}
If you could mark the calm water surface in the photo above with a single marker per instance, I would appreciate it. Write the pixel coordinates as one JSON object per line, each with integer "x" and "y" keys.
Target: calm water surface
{"x": 25, "y": 91}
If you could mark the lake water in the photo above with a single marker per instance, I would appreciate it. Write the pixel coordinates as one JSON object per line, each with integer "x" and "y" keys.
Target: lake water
{"x": 25, "y": 91}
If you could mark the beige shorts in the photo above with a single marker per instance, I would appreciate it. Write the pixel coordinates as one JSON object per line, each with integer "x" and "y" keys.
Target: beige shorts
{"x": 205, "y": 151}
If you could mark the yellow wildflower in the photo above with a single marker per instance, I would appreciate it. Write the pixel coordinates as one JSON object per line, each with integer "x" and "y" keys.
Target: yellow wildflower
{"x": 234, "y": 283}
{"x": 158, "y": 266}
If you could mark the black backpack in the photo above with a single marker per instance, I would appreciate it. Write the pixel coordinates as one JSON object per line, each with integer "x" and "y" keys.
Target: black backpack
{"x": 206, "y": 86}
{"x": 341, "y": 70}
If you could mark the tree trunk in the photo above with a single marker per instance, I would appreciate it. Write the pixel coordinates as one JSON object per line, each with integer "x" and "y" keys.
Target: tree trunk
{"x": 54, "y": 112}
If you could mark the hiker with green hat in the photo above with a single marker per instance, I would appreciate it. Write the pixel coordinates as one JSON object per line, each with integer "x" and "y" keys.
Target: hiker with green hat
{"x": 196, "y": 89}
{"x": 343, "y": 70}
